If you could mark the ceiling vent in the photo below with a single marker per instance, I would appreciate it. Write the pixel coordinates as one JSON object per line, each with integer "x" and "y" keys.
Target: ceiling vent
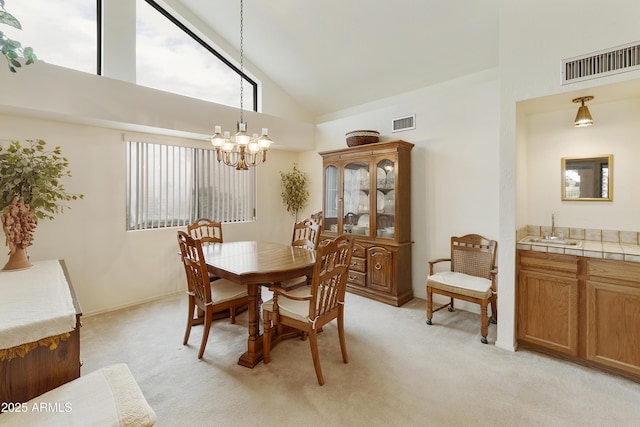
{"x": 603, "y": 63}
{"x": 403, "y": 123}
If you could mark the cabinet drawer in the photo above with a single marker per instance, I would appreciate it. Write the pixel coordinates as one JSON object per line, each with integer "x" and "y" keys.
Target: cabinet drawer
{"x": 358, "y": 264}
{"x": 623, "y": 273}
{"x": 357, "y": 278}
{"x": 359, "y": 251}
{"x": 545, "y": 262}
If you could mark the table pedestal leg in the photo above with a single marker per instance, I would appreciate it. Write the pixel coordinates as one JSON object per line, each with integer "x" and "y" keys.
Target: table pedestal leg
{"x": 254, "y": 352}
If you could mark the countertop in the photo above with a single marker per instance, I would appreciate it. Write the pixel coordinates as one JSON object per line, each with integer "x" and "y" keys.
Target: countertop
{"x": 588, "y": 248}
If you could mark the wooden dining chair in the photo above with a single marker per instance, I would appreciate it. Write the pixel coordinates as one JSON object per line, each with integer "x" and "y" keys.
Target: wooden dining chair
{"x": 472, "y": 278}
{"x": 318, "y": 217}
{"x": 306, "y": 234}
{"x": 208, "y": 232}
{"x": 210, "y": 297}
{"x": 324, "y": 302}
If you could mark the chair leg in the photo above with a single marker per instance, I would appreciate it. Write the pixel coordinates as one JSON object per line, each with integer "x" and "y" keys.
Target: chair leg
{"x": 343, "y": 341}
{"x": 483, "y": 321}
{"x": 266, "y": 337}
{"x": 451, "y": 308}
{"x": 232, "y": 314}
{"x": 494, "y": 310}
{"x": 429, "y": 305}
{"x": 313, "y": 342}
{"x": 189, "y": 320}
{"x": 208, "y": 318}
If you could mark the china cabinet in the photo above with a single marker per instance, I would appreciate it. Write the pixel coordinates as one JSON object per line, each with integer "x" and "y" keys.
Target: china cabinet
{"x": 367, "y": 193}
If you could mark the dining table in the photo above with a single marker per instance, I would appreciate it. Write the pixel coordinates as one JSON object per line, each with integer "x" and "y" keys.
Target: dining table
{"x": 255, "y": 264}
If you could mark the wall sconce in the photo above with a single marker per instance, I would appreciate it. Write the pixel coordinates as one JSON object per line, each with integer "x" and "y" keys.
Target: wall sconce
{"x": 583, "y": 118}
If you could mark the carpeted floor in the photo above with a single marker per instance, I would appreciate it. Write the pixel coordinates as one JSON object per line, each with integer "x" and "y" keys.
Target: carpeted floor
{"x": 401, "y": 373}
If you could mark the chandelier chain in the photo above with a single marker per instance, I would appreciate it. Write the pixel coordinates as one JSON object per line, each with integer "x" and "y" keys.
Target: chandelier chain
{"x": 241, "y": 61}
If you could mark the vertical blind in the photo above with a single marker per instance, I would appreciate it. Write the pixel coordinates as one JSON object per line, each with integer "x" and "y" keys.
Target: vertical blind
{"x": 172, "y": 186}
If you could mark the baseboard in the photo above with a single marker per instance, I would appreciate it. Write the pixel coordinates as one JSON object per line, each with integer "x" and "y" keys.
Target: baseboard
{"x": 133, "y": 304}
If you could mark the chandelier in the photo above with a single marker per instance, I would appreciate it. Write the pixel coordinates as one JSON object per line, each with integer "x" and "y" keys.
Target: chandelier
{"x": 242, "y": 150}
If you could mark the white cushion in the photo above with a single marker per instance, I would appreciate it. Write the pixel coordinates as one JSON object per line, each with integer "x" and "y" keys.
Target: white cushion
{"x": 297, "y": 281}
{"x": 225, "y": 290}
{"x": 298, "y": 310}
{"x": 107, "y": 397}
{"x": 464, "y": 284}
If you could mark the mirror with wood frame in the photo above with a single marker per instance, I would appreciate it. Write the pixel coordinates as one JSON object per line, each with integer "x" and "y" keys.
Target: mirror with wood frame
{"x": 587, "y": 178}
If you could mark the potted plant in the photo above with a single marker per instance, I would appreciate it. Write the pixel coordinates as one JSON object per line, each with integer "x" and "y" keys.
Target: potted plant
{"x": 30, "y": 189}
{"x": 12, "y": 49}
{"x": 294, "y": 190}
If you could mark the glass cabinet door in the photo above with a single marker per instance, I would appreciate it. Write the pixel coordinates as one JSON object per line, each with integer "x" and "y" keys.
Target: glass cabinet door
{"x": 385, "y": 198}
{"x": 331, "y": 198}
{"x": 356, "y": 198}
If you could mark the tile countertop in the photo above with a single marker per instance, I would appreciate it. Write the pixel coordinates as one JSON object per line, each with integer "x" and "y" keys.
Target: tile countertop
{"x": 589, "y": 248}
{"x": 604, "y": 244}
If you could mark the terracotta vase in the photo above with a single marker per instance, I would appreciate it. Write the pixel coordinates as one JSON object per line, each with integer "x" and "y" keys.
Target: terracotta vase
{"x": 17, "y": 261}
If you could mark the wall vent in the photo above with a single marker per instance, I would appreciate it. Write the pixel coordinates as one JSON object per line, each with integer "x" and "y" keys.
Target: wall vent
{"x": 599, "y": 64}
{"x": 403, "y": 123}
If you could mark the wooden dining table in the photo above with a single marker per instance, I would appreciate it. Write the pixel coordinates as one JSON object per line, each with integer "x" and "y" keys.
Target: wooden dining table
{"x": 254, "y": 264}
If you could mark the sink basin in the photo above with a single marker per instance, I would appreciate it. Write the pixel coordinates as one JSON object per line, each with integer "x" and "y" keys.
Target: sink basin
{"x": 552, "y": 241}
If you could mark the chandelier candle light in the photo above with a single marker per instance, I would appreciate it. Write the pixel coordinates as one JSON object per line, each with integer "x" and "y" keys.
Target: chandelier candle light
{"x": 241, "y": 150}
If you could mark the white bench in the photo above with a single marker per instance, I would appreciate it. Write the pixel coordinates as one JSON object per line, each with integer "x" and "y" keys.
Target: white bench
{"x": 107, "y": 397}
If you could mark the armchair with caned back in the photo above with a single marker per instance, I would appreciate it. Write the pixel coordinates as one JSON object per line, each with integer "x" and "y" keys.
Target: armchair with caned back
{"x": 322, "y": 303}
{"x": 472, "y": 278}
{"x": 209, "y": 296}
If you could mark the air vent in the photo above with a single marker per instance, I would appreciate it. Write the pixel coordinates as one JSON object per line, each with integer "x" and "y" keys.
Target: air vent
{"x": 403, "y": 123}
{"x": 603, "y": 63}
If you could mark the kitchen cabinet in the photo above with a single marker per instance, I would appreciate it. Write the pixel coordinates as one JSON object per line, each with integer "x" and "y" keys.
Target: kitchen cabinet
{"x": 613, "y": 314}
{"x": 548, "y": 301}
{"x": 583, "y": 309}
{"x": 367, "y": 193}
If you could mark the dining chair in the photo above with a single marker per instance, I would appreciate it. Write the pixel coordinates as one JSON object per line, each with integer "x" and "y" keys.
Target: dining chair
{"x": 306, "y": 234}
{"x": 208, "y": 232}
{"x": 210, "y": 297}
{"x": 472, "y": 278}
{"x": 318, "y": 217}
{"x": 324, "y": 302}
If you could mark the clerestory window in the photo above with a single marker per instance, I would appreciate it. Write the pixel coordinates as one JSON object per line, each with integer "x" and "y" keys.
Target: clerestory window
{"x": 171, "y": 57}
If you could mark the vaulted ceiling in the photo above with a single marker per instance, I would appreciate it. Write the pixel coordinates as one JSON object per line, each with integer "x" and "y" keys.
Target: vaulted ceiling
{"x": 330, "y": 55}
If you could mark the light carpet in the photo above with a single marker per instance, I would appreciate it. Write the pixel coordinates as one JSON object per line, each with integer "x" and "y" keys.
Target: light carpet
{"x": 401, "y": 372}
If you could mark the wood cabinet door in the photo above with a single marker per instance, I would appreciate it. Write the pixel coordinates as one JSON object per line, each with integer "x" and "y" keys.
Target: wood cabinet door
{"x": 380, "y": 269}
{"x": 613, "y": 325}
{"x": 548, "y": 311}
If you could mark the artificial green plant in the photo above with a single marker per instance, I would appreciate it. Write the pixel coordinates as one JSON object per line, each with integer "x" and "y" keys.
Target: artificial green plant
{"x": 294, "y": 190}
{"x": 33, "y": 173}
{"x": 12, "y": 49}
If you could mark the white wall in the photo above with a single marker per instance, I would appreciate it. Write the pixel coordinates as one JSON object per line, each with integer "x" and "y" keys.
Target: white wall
{"x": 534, "y": 38}
{"x": 454, "y": 162}
{"x": 109, "y": 266}
{"x": 551, "y": 136}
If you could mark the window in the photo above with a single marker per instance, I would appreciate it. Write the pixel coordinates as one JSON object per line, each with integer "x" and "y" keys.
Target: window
{"x": 172, "y": 186}
{"x": 60, "y": 33}
{"x": 171, "y": 57}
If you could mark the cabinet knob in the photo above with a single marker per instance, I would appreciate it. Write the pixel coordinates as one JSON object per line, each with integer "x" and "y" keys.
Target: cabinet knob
{"x": 378, "y": 266}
